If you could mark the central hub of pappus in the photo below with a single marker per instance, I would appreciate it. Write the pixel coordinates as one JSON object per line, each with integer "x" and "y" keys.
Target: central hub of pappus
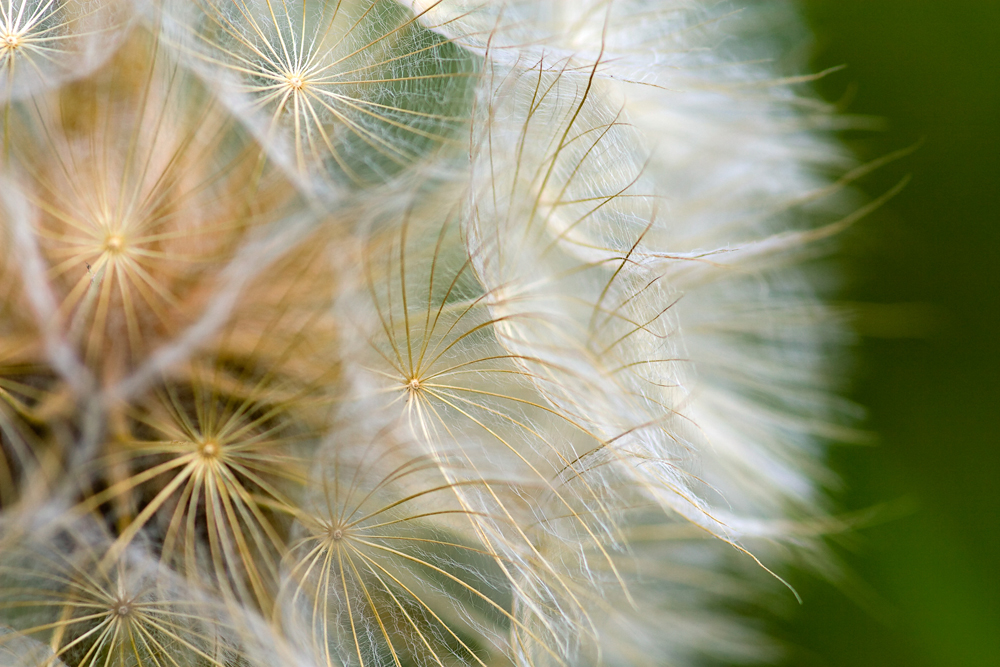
{"x": 209, "y": 449}
{"x": 114, "y": 243}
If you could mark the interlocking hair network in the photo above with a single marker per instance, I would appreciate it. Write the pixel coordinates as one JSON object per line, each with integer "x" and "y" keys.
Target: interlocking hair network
{"x": 411, "y": 333}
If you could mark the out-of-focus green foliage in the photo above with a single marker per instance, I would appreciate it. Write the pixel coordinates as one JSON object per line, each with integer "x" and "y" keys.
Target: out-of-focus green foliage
{"x": 928, "y": 70}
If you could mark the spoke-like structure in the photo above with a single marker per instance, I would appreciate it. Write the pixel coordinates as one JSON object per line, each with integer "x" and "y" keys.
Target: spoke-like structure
{"x": 31, "y": 398}
{"x": 402, "y": 333}
{"x": 90, "y": 611}
{"x": 555, "y": 236}
{"x": 473, "y": 406}
{"x": 213, "y": 469}
{"x": 135, "y": 225}
{"x": 383, "y": 572}
{"x": 346, "y": 91}
{"x": 579, "y": 225}
{"x": 46, "y": 42}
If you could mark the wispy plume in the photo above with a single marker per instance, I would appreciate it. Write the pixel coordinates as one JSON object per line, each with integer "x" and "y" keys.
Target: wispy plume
{"x": 363, "y": 332}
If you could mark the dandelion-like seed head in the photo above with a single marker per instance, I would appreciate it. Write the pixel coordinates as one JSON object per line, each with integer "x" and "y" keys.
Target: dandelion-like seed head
{"x": 47, "y": 43}
{"x": 369, "y": 332}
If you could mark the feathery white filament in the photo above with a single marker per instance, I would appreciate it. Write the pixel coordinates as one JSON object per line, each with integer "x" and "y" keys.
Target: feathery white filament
{"x": 364, "y": 332}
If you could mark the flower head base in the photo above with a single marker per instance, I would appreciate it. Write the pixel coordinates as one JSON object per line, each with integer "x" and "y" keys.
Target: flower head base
{"x": 364, "y": 332}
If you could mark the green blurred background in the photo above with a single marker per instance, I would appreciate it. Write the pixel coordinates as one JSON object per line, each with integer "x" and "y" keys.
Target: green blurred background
{"x": 930, "y": 69}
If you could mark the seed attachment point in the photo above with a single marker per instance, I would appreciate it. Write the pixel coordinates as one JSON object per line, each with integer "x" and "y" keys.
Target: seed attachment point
{"x": 209, "y": 449}
{"x": 114, "y": 244}
{"x": 334, "y": 532}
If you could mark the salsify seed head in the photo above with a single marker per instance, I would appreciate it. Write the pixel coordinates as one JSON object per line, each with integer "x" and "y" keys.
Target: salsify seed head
{"x": 371, "y": 332}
